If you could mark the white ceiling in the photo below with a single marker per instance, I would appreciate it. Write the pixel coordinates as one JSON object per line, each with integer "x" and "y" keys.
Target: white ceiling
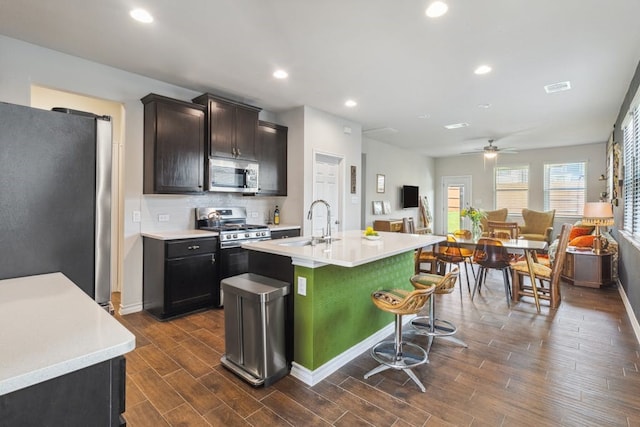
{"x": 387, "y": 55}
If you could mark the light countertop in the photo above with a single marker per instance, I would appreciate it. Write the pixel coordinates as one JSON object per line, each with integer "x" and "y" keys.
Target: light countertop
{"x": 179, "y": 234}
{"x": 349, "y": 248}
{"x": 50, "y": 327}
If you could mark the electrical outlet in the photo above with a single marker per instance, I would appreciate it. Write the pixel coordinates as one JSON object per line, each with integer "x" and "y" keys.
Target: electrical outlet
{"x": 302, "y": 286}
{"x": 136, "y": 216}
{"x": 163, "y": 218}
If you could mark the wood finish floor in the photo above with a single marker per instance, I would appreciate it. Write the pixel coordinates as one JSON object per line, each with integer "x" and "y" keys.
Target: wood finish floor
{"x": 574, "y": 366}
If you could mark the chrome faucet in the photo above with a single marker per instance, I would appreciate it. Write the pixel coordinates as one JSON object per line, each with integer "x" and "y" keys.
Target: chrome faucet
{"x": 327, "y": 236}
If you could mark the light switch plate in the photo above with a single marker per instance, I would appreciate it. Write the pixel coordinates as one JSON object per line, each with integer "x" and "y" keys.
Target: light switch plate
{"x": 302, "y": 286}
{"x": 163, "y": 218}
{"x": 136, "y": 217}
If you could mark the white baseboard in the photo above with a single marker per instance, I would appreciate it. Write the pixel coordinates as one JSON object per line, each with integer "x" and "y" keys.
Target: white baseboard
{"x": 314, "y": 377}
{"x": 128, "y": 309}
{"x": 630, "y": 313}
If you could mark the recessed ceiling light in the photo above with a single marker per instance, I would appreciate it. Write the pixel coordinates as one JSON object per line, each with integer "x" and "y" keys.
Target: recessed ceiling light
{"x": 557, "y": 87}
{"x": 457, "y": 126}
{"x": 424, "y": 116}
{"x": 483, "y": 69}
{"x": 141, "y": 15}
{"x": 437, "y": 9}
{"x": 350, "y": 103}
{"x": 484, "y": 105}
{"x": 280, "y": 74}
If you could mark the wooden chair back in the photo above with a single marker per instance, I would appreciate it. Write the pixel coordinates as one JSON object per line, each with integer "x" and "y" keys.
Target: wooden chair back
{"x": 561, "y": 254}
{"x": 501, "y": 229}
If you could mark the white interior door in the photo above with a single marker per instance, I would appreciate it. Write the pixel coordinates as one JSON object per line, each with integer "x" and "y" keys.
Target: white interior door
{"x": 327, "y": 186}
{"x": 456, "y": 194}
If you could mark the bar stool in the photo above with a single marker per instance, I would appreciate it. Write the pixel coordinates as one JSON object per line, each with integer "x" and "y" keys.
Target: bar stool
{"x": 438, "y": 328}
{"x": 397, "y": 354}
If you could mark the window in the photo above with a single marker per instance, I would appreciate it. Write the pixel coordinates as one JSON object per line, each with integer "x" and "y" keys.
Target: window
{"x": 631, "y": 180}
{"x": 512, "y": 188}
{"x": 564, "y": 188}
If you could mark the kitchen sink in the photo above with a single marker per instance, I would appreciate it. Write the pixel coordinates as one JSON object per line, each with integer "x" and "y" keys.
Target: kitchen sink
{"x": 305, "y": 242}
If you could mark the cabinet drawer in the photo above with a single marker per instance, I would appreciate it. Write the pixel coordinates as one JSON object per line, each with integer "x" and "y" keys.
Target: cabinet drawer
{"x": 182, "y": 248}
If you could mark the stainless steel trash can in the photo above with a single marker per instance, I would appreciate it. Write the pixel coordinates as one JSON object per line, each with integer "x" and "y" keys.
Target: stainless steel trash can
{"x": 254, "y": 326}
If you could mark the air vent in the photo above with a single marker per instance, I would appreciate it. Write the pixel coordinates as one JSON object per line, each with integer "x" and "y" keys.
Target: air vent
{"x": 557, "y": 87}
{"x": 379, "y": 131}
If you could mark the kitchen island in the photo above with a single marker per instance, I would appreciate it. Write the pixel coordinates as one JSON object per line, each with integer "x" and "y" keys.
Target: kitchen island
{"x": 60, "y": 355}
{"x": 334, "y": 319}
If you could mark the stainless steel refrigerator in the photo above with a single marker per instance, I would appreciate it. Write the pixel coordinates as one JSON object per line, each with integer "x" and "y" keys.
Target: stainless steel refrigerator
{"x": 55, "y": 196}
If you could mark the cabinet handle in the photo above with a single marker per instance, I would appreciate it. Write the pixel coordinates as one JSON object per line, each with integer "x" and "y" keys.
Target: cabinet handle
{"x": 194, "y": 247}
{"x": 213, "y": 259}
{"x": 233, "y": 151}
{"x": 238, "y": 153}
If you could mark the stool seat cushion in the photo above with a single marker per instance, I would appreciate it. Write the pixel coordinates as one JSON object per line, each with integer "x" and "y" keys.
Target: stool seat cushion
{"x": 540, "y": 270}
{"x": 399, "y": 301}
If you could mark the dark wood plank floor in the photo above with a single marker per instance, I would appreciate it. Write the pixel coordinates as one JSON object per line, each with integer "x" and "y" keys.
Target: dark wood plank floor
{"x": 574, "y": 366}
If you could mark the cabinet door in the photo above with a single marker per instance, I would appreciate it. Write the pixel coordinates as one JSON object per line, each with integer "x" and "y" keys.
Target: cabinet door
{"x": 246, "y": 129}
{"x": 174, "y": 147}
{"x": 222, "y": 128}
{"x": 271, "y": 150}
{"x": 190, "y": 283}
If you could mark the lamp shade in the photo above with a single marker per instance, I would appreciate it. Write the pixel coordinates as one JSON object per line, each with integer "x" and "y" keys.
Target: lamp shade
{"x": 597, "y": 213}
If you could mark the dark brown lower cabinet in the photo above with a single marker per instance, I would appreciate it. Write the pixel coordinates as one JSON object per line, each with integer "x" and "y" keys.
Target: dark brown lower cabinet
{"x": 584, "y": 268}
{"x": 93, "y": 396}
{"x": 180, "y": 276}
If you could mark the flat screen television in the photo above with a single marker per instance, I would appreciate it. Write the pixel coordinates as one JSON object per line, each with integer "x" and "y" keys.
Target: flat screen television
{"x": 409, "y": 196}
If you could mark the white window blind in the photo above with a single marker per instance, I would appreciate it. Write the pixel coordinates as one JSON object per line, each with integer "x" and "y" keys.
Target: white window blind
{"x": 512, "y": 188}
{"x": 631, "y": 180}
{"x": 564, "y": 188}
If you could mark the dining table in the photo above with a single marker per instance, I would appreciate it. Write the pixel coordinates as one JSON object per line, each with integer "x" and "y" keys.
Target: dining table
{"x": 527, "y": 247}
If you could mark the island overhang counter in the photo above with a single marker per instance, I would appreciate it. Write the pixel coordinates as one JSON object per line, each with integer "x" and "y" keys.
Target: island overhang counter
{"x": 334, "y": 319}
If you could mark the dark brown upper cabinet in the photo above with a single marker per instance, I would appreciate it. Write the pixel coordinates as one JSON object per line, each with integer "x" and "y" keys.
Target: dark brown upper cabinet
{"x": 271, "y": 151}
{"x": 231, "y": 127}
{"x": 173, "y": 146}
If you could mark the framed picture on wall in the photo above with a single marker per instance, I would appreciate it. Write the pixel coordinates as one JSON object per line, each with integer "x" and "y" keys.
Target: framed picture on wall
{"x": 379, "y": 183}
{"x": 377, "y": 207}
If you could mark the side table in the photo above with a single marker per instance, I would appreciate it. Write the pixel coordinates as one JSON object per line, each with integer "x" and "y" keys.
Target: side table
{"x": 584, "y": 268}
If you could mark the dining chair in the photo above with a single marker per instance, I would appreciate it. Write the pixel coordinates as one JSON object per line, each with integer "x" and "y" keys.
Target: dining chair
{"x": 427, "y": 256}
{"x": 501, "y": 229}
{"x": 450, "y": 252}
{"x": 491, "y": 254}
{"x": 547, "y": 277}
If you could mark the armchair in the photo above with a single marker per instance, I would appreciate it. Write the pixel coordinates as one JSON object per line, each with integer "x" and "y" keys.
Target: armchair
{"x": 497, "y": 215}
{"x": 537, "y": 225}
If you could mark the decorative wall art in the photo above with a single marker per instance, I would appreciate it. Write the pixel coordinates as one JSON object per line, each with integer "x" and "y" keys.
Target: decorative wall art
{"x": 379, "y": 183}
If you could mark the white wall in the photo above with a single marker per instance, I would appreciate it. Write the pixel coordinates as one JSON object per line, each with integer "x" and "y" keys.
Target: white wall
{"x": 310, "y": 131}
{"x": 400, "y": 167}
{"x": 482, "y": 176}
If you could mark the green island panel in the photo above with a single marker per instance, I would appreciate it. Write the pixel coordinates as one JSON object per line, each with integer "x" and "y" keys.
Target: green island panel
{"x": 337, "y": 312}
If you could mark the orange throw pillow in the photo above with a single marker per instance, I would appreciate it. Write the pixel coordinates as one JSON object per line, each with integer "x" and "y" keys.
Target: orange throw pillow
{"x": 582, "y": 241}
{"x": 579, "y": 230}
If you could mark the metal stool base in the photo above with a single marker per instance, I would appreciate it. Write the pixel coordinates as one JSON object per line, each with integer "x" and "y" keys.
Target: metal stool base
{"x": 409, "y": 356}
{"x": 440, "y": 329}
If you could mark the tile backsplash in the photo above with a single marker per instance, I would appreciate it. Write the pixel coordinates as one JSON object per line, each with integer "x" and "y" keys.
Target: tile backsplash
{"x": 177, "y": 212}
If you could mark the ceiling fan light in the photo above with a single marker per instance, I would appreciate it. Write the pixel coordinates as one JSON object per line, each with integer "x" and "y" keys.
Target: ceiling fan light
{"x": 490, "y": 154}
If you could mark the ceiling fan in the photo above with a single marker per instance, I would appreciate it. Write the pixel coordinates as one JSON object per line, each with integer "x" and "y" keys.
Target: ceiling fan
{"x": 491, "y": 151}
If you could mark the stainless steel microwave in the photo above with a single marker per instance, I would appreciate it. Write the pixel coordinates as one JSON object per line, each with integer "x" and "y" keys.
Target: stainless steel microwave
{"x": 233, "y": 176}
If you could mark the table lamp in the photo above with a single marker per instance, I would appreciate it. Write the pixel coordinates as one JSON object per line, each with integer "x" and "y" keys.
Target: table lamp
{"x": 598, "y": 214}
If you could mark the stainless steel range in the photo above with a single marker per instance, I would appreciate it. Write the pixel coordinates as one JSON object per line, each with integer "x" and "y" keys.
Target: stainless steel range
{"x": 231, "y": 224}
